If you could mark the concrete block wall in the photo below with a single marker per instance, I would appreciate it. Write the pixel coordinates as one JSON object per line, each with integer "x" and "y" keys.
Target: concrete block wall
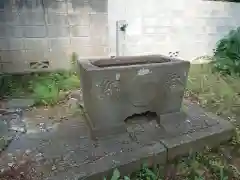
{"x": 41, "y": 35}
{"x": 191, "y": 27}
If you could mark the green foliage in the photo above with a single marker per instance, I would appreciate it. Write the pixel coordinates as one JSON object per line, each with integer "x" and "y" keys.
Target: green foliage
{"x": 227, "y": 0}
{"x": 197, "y": 166}
{"x": 116, "y": 175}
{"x": 143, "y": 174}
{"x": 45, "y": 88}
{"x": 227, "y": 54}
{"x": 147, "y": 174}
{"x": 217, "y": 93}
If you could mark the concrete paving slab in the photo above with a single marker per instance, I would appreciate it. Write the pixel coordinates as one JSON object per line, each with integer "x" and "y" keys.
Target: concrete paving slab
{"x": 68, "y": 152}
{"x": 198, "y": 140}
{"x": 212, "y": 131}
{"x": 22, "y": 103}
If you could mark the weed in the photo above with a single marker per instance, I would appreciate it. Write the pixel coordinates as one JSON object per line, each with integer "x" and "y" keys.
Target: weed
{"x": 217, "y": 93}
{"x": 45, "y": 88}
{"x": 144, "y": 174}
{"x": 227, "y": 54}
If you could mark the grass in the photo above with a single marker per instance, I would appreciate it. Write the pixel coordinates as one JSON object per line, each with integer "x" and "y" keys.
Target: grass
{"x": 218, "y": 94}
{"x": 44, "y": 88}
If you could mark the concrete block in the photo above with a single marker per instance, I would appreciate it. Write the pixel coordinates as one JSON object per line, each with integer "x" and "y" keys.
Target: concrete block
{"x": 56, "y": 6}
{"x": 35, "y": 56}
{"x": 3, "y": 31}
{"x": 58, "y": 31}
{"x": 2, "y": 17}
{"x": 35, "y": 31}
{"x": 12, "y": 55}
{"x": 223, "y": 21}
{"x": 16, "y": 44}
{"x": 59, "y": 58}
{"x": 59, "y": 43}
{"x": 54, "y": 18}
{"x": 11, "y": 18}
{"x": 36, "y": 43}
{"x": 92, "y": 46}
{"x": 16, "y": 31}
{"x": 99, "y": 6}
{"x": 10, "y": 31}
{"x": 150, "y": 21}
{"x": 4, "y": 56}
{"x": 90, "y": 51}
{"x": 79, "y": 31}
{"x": 19, "y": 103}
{"x": 224, "y": 29}
{"x": 197, "y": 141}
{"x": 29, "y": 5}
{"x": 11, "y": 44}
{"x": 162, "y": 29}
{"x": 99, "y": 41}
{"x": 149, "y": 30}
{"x": 16, "y": 67}
{"x": 32, "y": 18}
{"x": 99, "y": 51}
{"x": 80, "y": 41}
{"x": 2, "y": 4}
{"x": 98, "y": 29}
{"x": 107, "y": 93}
{"x": 76, "y": 4}
{"x": 79, "y": 19}
{"x": 99, "y": 19}
{"x": 127, "y": 162}
{"x": 218, "y": 13}
{"x": 158, "y": 38}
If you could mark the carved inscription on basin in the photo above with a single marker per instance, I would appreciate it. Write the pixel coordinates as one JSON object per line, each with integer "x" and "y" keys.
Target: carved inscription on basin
{"x": 114, "y": 89}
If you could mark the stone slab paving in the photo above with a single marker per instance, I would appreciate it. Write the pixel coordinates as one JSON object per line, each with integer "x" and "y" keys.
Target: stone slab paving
{"x": 67, "y": 152}
{"x": 11, "y": 126}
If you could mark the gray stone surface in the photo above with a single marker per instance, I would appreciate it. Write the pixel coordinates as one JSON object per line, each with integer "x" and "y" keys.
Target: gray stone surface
{"x": 57, "y": 19}
{"x": 35, "y": 31}
{"x": 153, "y": 27}
{"x": 11, "y": 44}
{"x": 114, "y": 89}
{"x": 59, "y": 43}
{"x": 11, "y": 126}
{"x": 30, "y": 18}
{"x": 36, "y": 43}
{"x": 78, "y": 19}
{"x": 22, "y": 103}
{"x": 69, "y": 152}
{"x": 3, "y": 128}
{"x": 58, "y": 31}
{"x": 192, "y": 28}
{"x": 40, "y": 25}
{"x": 78, "y": 31}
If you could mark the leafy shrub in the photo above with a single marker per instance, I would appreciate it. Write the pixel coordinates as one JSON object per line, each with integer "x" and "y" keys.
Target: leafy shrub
{"x": 43, "y": 87}
{"x": 227, "y": 54}
{"x": 227, "y": 0}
